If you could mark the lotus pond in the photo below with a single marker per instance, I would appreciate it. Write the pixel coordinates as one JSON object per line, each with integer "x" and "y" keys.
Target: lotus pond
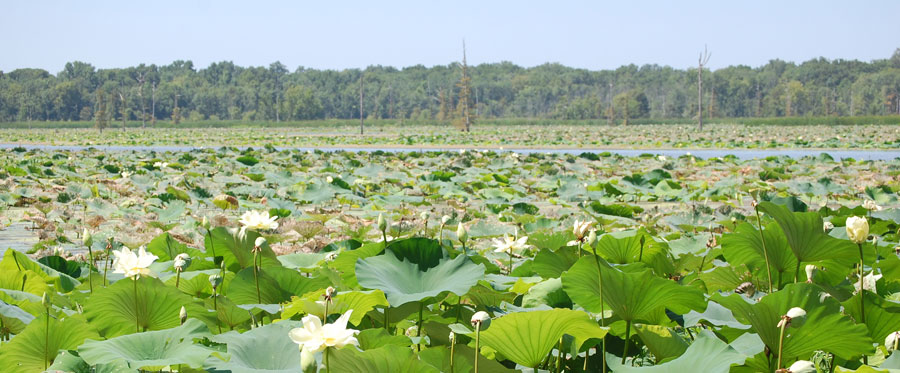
{"x": 266, "y": 260}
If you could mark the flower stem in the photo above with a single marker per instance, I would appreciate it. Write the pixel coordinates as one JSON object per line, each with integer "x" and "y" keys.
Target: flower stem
{"x": 780, "y": 344}
{"x": 256, "y": 278}
{"x": 627, "y": 336}
{"x": 386, "y": 327}
{"x": 862, "y": 294}
{"x": 327, "y": 364}
{"x": 477, "y": 344}
{"x": 797, "y": 272}
{"x": 452, "y": 352}
{"x": 602, "y": 312}
{"x": 765, "y": 250}
{"x": 559, "y": 356}
{"x": 419, "y": 326}
{"x": 216, "y": 309}
{"x": 90, "y": 269}
{"x": 47, "y": 340}
{"x": 177, "y": 278}
{"x": 106, "y": 261}
{"x": 509, "y": 270}
{"x": 137, "y": 319}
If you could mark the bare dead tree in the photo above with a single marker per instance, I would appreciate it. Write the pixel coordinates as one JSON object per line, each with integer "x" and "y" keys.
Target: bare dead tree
{"x": 701, "y": 62}
{"x": 360, "y": 103}
{"x": 123, "y": 110}
{"x": 153, "y": 105}
{"x": 140, "y": 80}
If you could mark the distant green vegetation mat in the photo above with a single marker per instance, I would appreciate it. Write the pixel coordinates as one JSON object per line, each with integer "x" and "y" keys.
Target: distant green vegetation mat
{"x": 500, "y": 134}
{"x": 411, "y": 246}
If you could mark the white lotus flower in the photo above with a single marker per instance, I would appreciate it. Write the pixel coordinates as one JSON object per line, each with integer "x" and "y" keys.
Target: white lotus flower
{"x": 314, "y": 337}
{"x": 161, "y": 164}
{"x": 871, "y": 205}
{"x": 857, "y": 229}
{"x": 481, "y": 318}
{"x": 461, "y": 232}
{"x": 869, "y": 281}
{"x": 133, "y": 264}
{"x": 792, "y": 314}
{"x": 257, "y": 220}
{"x": 810, "y": 271}
{"x": 827, "y": 226}
{"x": 802, "y": 366}
{"x": 580, "y": 230}
{"x": 181, "y": 262}
{"x": 509, "y": 244}
{"x": 890, "y": 342}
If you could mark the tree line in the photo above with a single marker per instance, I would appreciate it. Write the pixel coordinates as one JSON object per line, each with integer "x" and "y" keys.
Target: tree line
{"x": 225, "y": 91}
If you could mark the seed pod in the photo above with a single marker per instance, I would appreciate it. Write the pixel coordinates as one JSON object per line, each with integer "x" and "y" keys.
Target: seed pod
{"x": 481, "y": 318}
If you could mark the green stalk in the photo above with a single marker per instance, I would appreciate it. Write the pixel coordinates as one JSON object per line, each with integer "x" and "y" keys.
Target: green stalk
{"x": 386, "y": 327}
{"x": 90, "y": 269}
{"x": 602, "y": 312}
{"x": 256, "y": 277}
{"x": 216, "y": 308}
{"x": 327, "y": 364}
{"x": 419, "y": 326}
{"x": 765, "y": 251}
{"x": 559, "y": 356}
{"x": 212, "y": 246}
{"x": 137, "y": 319}
{"x": 477, "y": 344}
{"x": 509, "y": 270}
{"x": 452, "y": 352}
{"x": 177, "y": 278}
{"x": 780, "y": 344}
{"x": 627, "y": 336}
{"x": 106, "y": 261}
{"x": 862, "y": 294}
{"x": 47, "y": 340}
{"x": 641, "y": 253}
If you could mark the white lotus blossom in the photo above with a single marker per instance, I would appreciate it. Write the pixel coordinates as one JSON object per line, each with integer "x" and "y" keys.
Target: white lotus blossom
{"x": 481, "y": 318}
{"x": 869, "y": 281}
{"x": 181, "y": 262}
{"x": 802, "y": 366}
{"x": 509, "y": 244}
{"x": 314, "y": 337}
{"x": 810, "y": 271}
{"x": 258, "y": 221}
{"x": 890, "y": 342}
{"x": 792, "y": 314}
{"x": 871, "y": 205}
{"x": 133, "y": 264}
{"x": 857, "y": 229}
{"x": 580, "y": 230}
{"x": 827, "y": 226}
{"x": 161, "y": 164}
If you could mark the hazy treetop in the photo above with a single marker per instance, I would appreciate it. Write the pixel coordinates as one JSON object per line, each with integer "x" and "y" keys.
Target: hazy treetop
{"x": 351, "y": 34}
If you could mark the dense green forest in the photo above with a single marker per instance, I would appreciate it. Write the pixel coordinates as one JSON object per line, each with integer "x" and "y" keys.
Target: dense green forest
{"x": 224, "y": 91}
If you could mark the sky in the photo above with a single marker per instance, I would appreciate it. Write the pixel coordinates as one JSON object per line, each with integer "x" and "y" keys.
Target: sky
{"x": 338, "y": 34}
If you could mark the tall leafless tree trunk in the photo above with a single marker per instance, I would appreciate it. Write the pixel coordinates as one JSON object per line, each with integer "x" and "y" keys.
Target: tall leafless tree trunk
{"x": 153, "y": 105}
{"x": 123, "y": 109}
{"x": 140, "y": 79}
{"x": 704, "y": 58}
{"x": 360, "y": 105}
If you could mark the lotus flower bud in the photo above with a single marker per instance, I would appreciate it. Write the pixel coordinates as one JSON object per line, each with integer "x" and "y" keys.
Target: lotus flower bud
{"x": 445, "y": 219}
{"x": 205, "y": 223}
{"x": 461, "y": 232}
{"x": 452, "y": 337}
{"x": 215, "y": 280}
{"x": 329, "y": 293}
{"x": 857, "y": 229}
{"x": 86, "y": 238}
{"x": 424, "y": 215}
{"x": 802, "y": 366}
{"x": 182, "y": 315}
{"x": 891, "y": 341}
{"x": 411, "y": 331}
{"x": 45, "y": 300}
{"x": 260, "y": 242}
{"x": 592, "y": 238}
{"x": 481, "y": 318}
{"x": 382, "y": 224}
{"x": 827, "y": 226}
{"x": 793, "y": 315}
{"x": 182, "y": 261}
{"x": 810, "y": 271}
{"x": 329, "y": 179}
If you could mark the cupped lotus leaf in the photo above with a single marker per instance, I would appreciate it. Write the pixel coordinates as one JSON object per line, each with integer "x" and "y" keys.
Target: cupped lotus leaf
{"x": 626, "y": 247}
{"x": 111, "y": 310}
{"x": 663, "y": 342}
{"x": 550, "y": 264}
{"x": 276, "y": 285}
{"x": 744, "y": 246}
{"x": 389, "y": 358}
{"x": 823, "y": 322}
{"x": 71, "y": 268}
{"x": 37, "y": 346}
{"x": 374, "y": 338}
{"x": 14, "y": 318}
{"x": 463, "y": 360}
{"x": 706, "y": 354}
{"x": 805, "y": 236}
{"x": 167, "y": 248}
{"x": 236, "y": 249}
{"x": 882, "y": 317}
{"x": 527, "y": 337}
{"x": 151, "y": 350}
{"x": 302, "y": 261}
{"x": 715, "y": 315}
{"x": 548, "y": 292}
{"x": 424, "y": 252}
{"x": 345, "y": 263}
{"x": 70, "y": 362}
{"x": 15, "y": 261}
{"x": 267, "y": 349}
{"x": 361, "y": 302}
{"x": 633, "y": 295}
{"x": 27, "y": 281}
{"x": 402, "y": 281}
{"x": 485, "y": 296}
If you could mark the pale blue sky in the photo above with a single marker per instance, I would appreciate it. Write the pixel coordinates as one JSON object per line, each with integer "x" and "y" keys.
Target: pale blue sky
{"x": 352, "y": 34}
